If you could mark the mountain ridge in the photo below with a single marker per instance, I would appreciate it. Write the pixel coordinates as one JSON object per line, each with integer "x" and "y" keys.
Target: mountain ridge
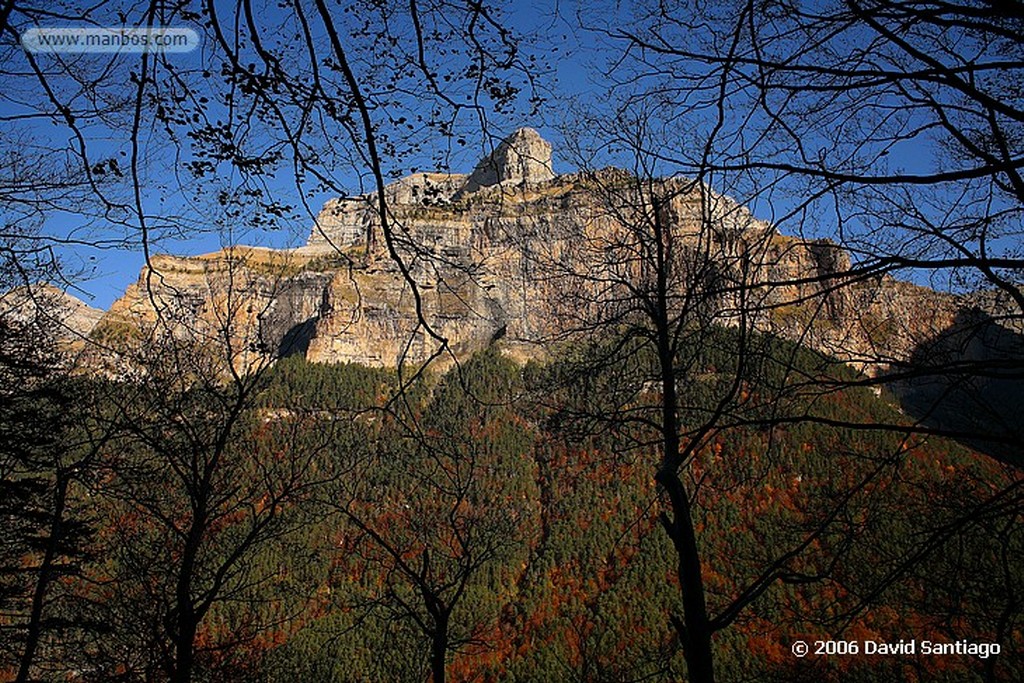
{"x": 494, "y": 255}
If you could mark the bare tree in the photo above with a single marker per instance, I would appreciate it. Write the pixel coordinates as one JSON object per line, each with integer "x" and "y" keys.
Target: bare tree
{"x": 893, "y": 128}
{"x": 646, "y": 281}
{"x": 449, "y": 513}
{"x": 678, "y": 295}
{"x": 199, "y": 482}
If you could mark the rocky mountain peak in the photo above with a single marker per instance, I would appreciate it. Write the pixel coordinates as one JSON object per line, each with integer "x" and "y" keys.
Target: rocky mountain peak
{"x": 492, "y": 264}
{"x": 52, "y": 310}
{"x": 522, "y": 157}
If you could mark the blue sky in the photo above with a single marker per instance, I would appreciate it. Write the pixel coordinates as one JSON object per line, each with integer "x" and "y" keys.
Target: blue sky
{"x": 99, "y": 275}
{"x": 101, "y": 247}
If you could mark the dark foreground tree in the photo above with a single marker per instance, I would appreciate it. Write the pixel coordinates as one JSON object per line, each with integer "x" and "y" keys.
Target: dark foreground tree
{"x": 646, "y": 283}
{"x": 199, "y": 483}
{"x": 897, "y": 128}
{"x": 445, "y": 512}
{"x": 679, "y": 291}
{"x": 49, "y": 446}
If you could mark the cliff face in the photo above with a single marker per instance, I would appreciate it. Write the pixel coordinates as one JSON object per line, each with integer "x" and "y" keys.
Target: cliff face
{"x": 514, "y": 252}
{"x": 243, "y": 304}
{"x": 28, "y": 315}
{"x": 45, "y": 305}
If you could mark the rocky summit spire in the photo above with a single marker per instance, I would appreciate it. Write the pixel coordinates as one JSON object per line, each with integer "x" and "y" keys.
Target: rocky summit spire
{"x": 523, "y": 157}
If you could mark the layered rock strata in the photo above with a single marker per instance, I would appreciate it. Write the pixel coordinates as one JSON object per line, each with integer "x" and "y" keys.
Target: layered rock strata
{"x": 516, "y": 253}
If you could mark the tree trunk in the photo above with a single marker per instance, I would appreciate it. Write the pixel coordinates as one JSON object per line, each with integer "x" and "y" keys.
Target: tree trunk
{"x": 187, "y": 625}
{"x": 35, "y": 622}
{"x": 439, "y": 649}
{"x": 695, "y": 633}
{"x": 695, "y": 628}
{"x": 184, "y": 654}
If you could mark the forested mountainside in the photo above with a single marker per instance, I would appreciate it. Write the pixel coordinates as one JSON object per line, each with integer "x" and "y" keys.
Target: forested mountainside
{"x": 581, "y": 427}
{"x": 498, "y": 522}
{"x": 454, "y": 456}
{"x": 724, "y": 389}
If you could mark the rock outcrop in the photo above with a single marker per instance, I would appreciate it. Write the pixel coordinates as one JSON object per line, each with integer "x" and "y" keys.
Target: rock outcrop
{"x": 515, "y": 253}
{"x": 243, "y": 304}
{"x": 53, "y": 311}
{"x": 522, "y": 158}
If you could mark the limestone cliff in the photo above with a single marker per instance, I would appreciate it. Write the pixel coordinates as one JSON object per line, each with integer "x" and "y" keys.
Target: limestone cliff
{"x": 512, "y": 251}
{"x": 51, "y": 311}
{"x": 524, "y": 157}
{"x": 244, "y": 304}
